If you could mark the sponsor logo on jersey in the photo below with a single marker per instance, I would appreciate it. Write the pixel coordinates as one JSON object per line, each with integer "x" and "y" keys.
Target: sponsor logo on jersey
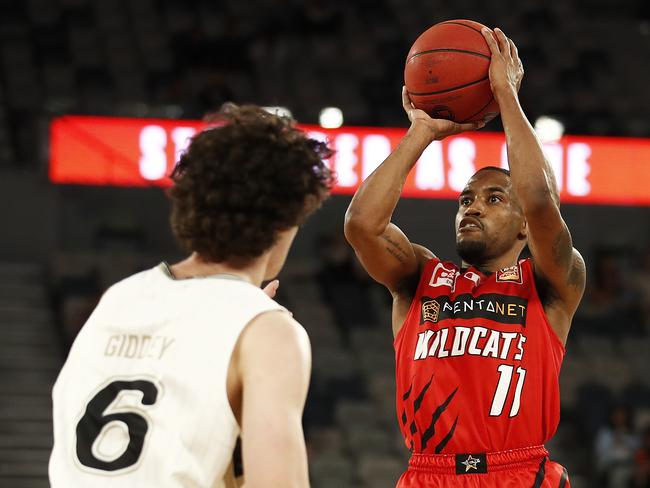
{"x": 511, "y": 274}
{"x": 505, "y": 309}
{"x": 443, "y": 276}
{"x": 430, "y": 311}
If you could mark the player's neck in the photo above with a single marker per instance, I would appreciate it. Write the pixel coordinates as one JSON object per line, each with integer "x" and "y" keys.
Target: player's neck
{"x": 492, "y": 265}
{"x": 251, "y": 271}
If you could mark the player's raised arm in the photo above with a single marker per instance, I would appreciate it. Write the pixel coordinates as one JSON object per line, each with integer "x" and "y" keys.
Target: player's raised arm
{"x": 383, "y": 249}
{"x": 274, "y": 359}
{"x": 556, "y": 261}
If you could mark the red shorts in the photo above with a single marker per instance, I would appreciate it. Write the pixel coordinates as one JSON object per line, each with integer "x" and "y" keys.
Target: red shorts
{"x": 529, "y": 467}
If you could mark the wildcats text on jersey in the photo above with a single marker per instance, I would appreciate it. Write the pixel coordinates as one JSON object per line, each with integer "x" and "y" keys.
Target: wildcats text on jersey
{"x": 474, "y": 341}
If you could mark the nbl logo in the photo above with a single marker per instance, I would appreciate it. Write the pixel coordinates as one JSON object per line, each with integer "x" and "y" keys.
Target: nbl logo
{"x": 511, "y": 274}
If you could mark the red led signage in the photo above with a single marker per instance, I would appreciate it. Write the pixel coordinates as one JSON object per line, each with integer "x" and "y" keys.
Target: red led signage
{"x": 141, "y": 152}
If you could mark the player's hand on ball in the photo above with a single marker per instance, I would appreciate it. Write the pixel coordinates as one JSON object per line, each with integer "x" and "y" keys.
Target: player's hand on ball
{"x": 506, "y": 69}
{"x": 439, "y": 128}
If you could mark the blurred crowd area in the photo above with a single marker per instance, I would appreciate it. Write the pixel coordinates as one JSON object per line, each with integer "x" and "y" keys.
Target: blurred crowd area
{"x": 168, "y": 58}
{"x": 350, "y": 422}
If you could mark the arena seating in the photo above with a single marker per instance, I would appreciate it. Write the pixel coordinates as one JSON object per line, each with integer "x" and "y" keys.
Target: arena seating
{"x": 30, "y": 358}
{"x": 161, "y": 58}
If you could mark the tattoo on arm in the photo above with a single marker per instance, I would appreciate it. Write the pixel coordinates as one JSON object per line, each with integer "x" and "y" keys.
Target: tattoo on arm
{"x": 564, "y": 257}
{"x": 563, "y": 249}
{"x": 395, "y": 254}
{"x": 576, "y": 276}
{"x": 394, "y": 249}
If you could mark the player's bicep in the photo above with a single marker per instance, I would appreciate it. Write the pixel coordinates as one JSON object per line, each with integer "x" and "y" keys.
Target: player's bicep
{"x": 554, "y": 256}
{"x": 388, "y": 257}
{"x": 275, "y": 362}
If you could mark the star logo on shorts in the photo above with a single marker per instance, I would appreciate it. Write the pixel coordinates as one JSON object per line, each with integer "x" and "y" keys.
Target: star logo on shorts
{"x": 470, "y": 463}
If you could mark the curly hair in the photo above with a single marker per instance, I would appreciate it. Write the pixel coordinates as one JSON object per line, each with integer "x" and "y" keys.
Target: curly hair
{"x": 244, "y": 180}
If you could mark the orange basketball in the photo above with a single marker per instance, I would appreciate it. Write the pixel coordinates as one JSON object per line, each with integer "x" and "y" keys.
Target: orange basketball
{"x": 446, "y": 73}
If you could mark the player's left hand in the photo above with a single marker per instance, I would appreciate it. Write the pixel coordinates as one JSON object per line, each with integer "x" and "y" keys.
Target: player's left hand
{"x": 506, "y": 69}
{"x": 437, "y": 129}
{"x": 272, "y": 288}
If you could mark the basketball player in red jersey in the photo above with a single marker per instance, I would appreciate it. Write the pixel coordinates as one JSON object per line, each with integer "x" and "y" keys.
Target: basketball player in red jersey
{"x": 479, "y": 347}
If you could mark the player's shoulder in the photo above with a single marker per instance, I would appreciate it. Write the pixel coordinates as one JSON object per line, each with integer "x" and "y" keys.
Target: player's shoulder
{"x": 430, "y": 268}
{"x": 142, "y": 280}
{"x": 275, "y": 330}
{"x": 278, "y": 322}
{"x": 423, "y": 254}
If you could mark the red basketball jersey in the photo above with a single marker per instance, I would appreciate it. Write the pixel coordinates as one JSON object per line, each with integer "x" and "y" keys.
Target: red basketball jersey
{"x": 477, "y": 362}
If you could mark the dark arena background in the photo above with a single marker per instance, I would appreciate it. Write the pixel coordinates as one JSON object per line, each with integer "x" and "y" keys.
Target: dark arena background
{"x": 97, "y": 97}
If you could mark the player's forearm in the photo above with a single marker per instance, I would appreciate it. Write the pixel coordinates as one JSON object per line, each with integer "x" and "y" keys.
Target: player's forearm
{"x": 278, "y": 460}
{"x": 375, "y": 200}
{"x": 533, "y": 179}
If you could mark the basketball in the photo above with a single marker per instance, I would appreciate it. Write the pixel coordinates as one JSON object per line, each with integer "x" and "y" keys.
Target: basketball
{"x": 446, "y": 73}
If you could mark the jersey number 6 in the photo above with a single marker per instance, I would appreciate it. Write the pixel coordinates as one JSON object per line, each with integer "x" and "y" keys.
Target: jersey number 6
{"x": 93, "y": 422}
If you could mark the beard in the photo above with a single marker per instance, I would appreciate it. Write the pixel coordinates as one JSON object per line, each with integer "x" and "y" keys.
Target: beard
{"x": 471, "y": 251}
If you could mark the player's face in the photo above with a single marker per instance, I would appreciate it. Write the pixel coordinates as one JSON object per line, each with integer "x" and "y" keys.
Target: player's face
{"x": 489, "y": 221}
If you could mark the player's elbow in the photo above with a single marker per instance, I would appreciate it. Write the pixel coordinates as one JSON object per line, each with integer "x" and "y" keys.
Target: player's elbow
{"x": 351, "y": 226}
{"x": 283, "y": 477}
{"x": 280, "y": 479}
{"x": 282, "y": 463}
{"x": 356, "y": 226}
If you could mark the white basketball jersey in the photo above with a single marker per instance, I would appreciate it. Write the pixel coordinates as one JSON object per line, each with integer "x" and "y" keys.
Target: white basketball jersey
{"x": 141, "y": 400}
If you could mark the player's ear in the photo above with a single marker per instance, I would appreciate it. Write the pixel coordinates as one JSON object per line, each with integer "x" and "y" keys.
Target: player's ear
{"x": 523, "y": 231}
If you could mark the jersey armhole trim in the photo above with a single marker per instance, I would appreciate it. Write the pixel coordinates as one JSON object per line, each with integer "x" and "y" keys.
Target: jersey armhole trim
{"x": 232, "y": 415}
{"x": 397, "y": 341}
{"x": 529, "y": 265}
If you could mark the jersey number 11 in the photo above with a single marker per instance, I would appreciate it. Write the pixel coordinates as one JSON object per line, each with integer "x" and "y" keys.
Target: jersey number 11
{"x": 503, "y": 387}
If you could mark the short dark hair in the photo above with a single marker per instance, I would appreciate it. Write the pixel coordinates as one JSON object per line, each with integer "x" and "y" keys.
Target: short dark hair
{"x": 494, "y": 168}
{"x": 241, "y": 182}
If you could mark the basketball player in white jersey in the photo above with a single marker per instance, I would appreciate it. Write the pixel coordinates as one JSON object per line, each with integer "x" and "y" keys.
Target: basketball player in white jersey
{"x": 178, "y": 361}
